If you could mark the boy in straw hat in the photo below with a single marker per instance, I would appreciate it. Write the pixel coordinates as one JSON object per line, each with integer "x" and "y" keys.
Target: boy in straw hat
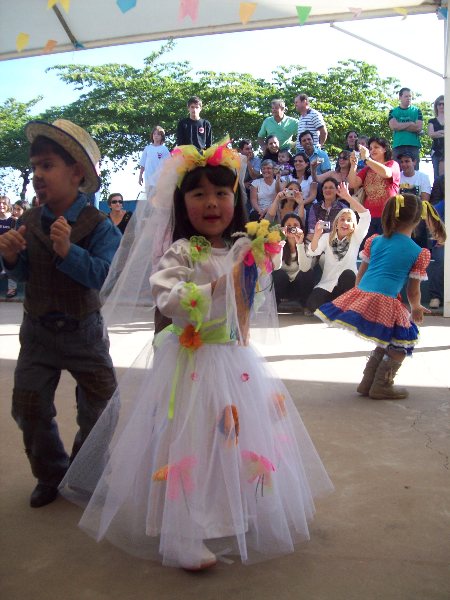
{"x": 62, "y": 250}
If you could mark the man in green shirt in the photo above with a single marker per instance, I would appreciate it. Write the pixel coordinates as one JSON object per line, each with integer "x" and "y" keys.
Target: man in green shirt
{"x": 280, "y": 125}
{"x": 406, "y": 122}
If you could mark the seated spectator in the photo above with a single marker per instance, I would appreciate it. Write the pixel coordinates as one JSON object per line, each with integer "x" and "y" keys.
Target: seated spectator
{"x": 302, "y": 175}
{"x": 294, "y": 280}
{"x": 438, "y": 190}
{"x": 436, "y": 266}
{"x": 340, "y": 173}
{"x": 285, "y": 165}
{"x": 326, "y": 210}
{"x": 363, "y": 140}
{"x": 262, "y": 191}
{"x": 417, "y": 183}
{"x": 272, "y": 149}
{"x": 315, "y": 153}
{"x": 351, "y": 141}
{"x": 436, "y": 132}
{"x": 118, "y": 215}
{"x": 250, "y": 170}
{"x": 380, "y": 179}
{"x": 340, "y": 248}
{"x": 290, "y": 200}
{"x": 7, "y": 222}
{"x": 18, "y": 209}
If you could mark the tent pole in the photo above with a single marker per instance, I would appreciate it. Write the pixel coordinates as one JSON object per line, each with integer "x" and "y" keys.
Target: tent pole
{"x": 447, "y": 173}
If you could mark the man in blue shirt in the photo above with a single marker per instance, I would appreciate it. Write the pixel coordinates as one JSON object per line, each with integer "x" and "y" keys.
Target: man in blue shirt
{"x": 314, "y": 153}
{"x": 62, "y": 250}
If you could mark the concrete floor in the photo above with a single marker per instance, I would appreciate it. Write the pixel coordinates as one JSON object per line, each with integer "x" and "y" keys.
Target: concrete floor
{"x": 383, "y": 535}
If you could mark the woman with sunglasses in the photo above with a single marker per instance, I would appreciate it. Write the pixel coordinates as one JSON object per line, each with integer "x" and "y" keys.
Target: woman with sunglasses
{"x": 436, "y": 133}
{"x": 118, "y": 215}
{"x": 340, "y": 172}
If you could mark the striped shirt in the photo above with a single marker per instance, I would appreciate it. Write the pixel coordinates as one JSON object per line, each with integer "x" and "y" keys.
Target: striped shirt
{"x": 310, "y": 122}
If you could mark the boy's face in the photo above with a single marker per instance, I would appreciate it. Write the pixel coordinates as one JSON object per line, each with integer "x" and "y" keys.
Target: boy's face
{"x": 194, "y": 111}
{"x": 55, "y": 183}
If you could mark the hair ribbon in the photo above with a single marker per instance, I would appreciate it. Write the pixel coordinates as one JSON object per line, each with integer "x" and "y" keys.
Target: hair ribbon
{"x": 428, "y": 207}
{"x": 399, "y": 203}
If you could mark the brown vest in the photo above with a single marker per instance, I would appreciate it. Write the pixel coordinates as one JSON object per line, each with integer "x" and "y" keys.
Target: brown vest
{"x": 48, "y": 289}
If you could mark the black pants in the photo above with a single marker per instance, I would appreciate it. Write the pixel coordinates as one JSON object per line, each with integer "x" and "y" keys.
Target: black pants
{"x": 298, "y": 290}
{"x": 319, "y": 296}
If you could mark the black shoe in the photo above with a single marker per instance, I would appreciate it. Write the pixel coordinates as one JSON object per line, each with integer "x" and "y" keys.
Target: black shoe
{"x": 43, "y": 494}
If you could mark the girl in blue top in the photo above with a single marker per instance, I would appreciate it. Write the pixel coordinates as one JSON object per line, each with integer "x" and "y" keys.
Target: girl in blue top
{"x": 373, "y": 309}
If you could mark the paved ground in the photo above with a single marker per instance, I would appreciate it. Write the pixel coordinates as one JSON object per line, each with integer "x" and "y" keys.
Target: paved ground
{"x": 383, "y": 535}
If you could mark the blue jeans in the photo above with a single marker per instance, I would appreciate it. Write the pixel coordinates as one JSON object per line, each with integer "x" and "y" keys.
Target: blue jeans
{"x": 436, "y": 273}
{"x": 44, "y": 353}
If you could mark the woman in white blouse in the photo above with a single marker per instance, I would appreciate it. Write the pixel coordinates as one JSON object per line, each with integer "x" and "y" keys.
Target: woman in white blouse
{"x": 340, "y": 248}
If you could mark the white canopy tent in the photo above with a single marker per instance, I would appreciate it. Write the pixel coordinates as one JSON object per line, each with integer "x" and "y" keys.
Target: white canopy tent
{"x": 30, "y": 28}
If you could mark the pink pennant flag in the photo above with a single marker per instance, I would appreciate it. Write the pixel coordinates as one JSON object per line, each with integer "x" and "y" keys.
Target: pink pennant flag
{"x": 303, "y": 13}
{"x": 188, "y": 8}
{"x": 356, "y": 12}
{"x": 50, "y": 45}
{"x": 246, "y": 10}
{"x": 22, "y": 41}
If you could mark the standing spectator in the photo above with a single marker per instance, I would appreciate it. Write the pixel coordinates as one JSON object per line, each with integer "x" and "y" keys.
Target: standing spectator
{"x": 315, "y": 153}
{"x": 380, "y": 179}
{"x": 436, "y": 132}
{"x": 7, "y": 222}
{"x": 436, "y": 266}
{"x": 406, "y": 122}
{"x": 118, "y": 215}
{"x": 279, "y": 125}
{"x": 152, "y": 158}
{"x": 62, "y": 250}
{"x": 310, "y": 120}
{"x": 351, "y": 140}
{"x": 193, "y": 129}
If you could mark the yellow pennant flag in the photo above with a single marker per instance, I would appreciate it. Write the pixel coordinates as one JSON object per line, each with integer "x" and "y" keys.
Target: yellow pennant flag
{"x": 401, "y": 11}
{"x": 51, "y": 3}
{"x": 303, "y": 13}
{"x": 50, "y": 45}
{"x": 246, "y": 10}
{"x": 64, "y": 3}
{"x": 22, "y": 41}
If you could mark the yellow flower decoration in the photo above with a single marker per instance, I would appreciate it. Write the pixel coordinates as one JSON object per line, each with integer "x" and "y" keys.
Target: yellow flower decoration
{"x": 252, "y": 227}
{"x": 217, "y": 155}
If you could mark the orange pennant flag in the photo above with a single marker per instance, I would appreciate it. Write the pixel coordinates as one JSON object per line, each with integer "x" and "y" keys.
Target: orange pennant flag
{"x": 188, "y": 8}
{"x": 246, "y": 10}
{"x": 22, "y": 41}
{"x": 50, "y": 45}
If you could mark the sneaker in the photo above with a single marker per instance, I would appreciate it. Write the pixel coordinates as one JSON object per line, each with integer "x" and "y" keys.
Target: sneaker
{"x": 435, "y": 303}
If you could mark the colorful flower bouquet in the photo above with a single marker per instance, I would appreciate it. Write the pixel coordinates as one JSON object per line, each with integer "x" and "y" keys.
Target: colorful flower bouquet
{"x": 267, "y": 241}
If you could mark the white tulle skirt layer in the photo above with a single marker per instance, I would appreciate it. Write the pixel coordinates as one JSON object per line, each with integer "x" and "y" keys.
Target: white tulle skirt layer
{"x": 233, "y": 468}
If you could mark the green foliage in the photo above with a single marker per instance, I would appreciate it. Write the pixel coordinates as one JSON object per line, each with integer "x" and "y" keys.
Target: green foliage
{"x": 120, "y": 104}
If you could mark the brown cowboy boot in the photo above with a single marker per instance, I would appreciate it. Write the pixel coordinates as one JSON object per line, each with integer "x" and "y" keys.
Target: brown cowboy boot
{"x": 374, "y": 359}
{"x": 383, "y": 387}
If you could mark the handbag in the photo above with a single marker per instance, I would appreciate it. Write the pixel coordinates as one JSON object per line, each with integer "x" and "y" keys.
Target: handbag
{"x": 360, "y": 195}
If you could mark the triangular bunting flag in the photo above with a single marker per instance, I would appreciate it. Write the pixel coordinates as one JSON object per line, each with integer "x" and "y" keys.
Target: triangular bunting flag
{"x": 246, "y": 10}
{"x": 22, "y": 41}
{"x": 401, "y": 11}
{"x": 188, "y": 8}
{"x": 126, "y": 5}
{"x": 356, "y": 12}
{"x": 50, "y": 45}
{"x": 303, "y": 13}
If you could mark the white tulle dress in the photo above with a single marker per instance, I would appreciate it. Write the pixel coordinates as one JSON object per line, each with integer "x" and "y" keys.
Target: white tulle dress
{"x": 204, "y": 445}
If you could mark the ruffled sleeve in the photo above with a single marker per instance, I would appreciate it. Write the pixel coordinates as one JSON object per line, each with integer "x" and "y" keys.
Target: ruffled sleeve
{"x": 364, "y": 255}
{"x": 173, "y": 288}
{"x": 419, "y": 270}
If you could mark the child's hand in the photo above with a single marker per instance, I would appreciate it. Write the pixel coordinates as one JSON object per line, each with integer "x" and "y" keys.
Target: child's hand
{"x": 11, "y": 243}
{"x": 417, "y": 313}
{"x": 60, "y": 232}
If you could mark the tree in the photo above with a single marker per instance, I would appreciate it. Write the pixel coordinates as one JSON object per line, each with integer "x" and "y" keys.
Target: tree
{"x": 13, "y": 143}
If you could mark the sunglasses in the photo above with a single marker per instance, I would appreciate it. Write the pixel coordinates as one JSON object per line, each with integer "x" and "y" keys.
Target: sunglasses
{"x": 116, "y": 201}
{"x": 343, "y": 157}
{"x": 440, "y": 104}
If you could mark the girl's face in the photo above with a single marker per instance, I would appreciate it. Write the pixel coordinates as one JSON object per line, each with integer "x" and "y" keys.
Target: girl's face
{"x": 283, "y": 158}
{"x": 210, "y": 210}
{"x": 352, "y": 139}
{"x": 290, "y": 224}
{"x": 299, "y": 163}
{"x": 377, "y": 152}
{"x": 157, "y": 138}
{"x": 344, "y": 225}
{"x": 3, "y": 207}
{"x": 329, "y": 191}
{"x": 344, "y": 160}
{"x": 17, "y": 211}
{"x": 273, "y": 144}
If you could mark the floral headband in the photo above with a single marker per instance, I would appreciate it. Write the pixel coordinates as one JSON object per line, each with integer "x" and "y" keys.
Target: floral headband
{"x": 217, "y": 155}
{"x": 427, "y": 207}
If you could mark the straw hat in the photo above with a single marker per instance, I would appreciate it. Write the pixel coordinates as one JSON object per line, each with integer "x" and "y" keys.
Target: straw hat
{"x": 76, "y": 141}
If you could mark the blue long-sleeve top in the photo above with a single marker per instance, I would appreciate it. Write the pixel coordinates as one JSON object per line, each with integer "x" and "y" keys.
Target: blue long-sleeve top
{"x": 88, "y": 266}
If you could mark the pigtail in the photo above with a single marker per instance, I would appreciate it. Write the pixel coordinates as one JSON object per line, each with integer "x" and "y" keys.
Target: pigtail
{"x": 433, "y": 222}
{"x": 400, "y": 209}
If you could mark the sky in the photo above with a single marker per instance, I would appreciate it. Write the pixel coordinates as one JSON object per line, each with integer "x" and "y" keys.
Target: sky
{"x": 316, "y": 47}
